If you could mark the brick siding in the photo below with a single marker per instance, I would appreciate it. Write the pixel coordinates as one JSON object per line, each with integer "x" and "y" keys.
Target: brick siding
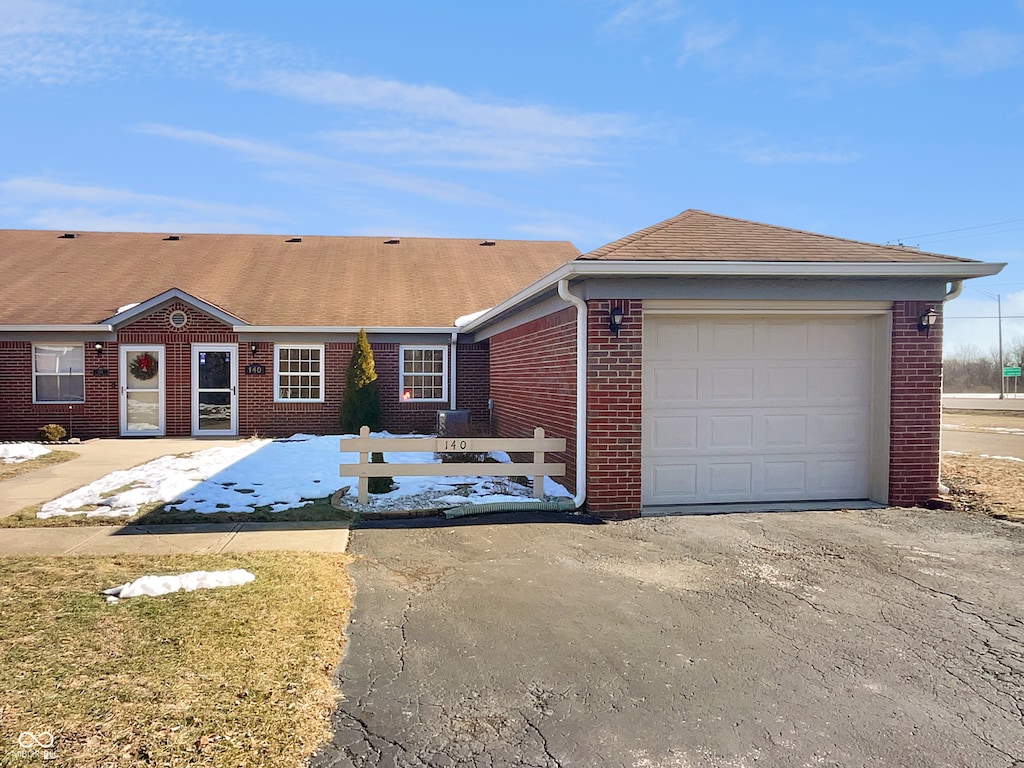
{"x": 915, "y": 419}
{"x": 98, "y": 416}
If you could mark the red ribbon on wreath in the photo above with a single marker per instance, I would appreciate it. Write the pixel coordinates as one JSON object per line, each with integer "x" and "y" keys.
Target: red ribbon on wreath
{"x": 143, "y": 367}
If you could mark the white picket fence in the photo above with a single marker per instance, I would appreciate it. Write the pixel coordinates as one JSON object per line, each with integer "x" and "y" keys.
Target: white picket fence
{"x": 365, "y": 445}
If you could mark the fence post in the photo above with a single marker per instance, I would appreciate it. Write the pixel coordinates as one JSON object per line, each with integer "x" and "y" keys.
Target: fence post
{"x": 364, "y": 458}
{"x": 538, "y": 458}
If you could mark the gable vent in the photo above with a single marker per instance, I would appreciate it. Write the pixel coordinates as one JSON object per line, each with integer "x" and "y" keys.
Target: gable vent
{"x": 392, "y": 241}
{"x": 67, "y": 236}
{"x": 294, "y": 240}
{"x": 173, "y": 237}
{"x": 487, "y": 242}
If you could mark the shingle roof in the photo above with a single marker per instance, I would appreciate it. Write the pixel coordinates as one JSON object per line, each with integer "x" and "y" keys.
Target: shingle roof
{"x": 265, "y": 279}
{"x": 698, "y": 236}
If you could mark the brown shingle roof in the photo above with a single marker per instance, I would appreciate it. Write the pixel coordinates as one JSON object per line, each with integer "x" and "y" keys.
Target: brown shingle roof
{"x": 698, "y": 236}
{"x": 265, "y": 280}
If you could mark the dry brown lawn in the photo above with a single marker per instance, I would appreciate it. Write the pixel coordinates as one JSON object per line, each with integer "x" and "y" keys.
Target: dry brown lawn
{"x": 237, "y": 676}
{"x": 988, "y": 486}
{"x": 55, "y": 456}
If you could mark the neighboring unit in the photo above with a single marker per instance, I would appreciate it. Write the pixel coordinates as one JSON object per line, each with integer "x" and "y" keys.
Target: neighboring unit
{"x": 703, "y": 360}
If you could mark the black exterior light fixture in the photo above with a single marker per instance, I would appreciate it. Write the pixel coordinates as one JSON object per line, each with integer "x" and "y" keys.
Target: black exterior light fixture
{"x": 98, "y": 346}
{"x": 615, "y": 318}
{"x": 253, "y": 346}
{"x": 927, "y": 319}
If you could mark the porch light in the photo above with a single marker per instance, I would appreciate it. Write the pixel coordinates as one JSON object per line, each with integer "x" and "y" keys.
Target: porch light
{"x": 615, "y": 320}
{"x": 98, "y": 346}
{"x": 927, "y": 319}
{"x": 253, "y": 346}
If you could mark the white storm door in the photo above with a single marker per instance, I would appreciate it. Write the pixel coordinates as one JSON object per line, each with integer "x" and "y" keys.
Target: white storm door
{"x": 753, "y": 408}
{"x": 214, "y": 389}
{"x": 142, "y": 372}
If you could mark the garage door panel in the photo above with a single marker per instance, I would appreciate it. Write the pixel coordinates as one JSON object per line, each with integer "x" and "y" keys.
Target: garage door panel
{"x": 785, "y": 430}
{"x": 730, "y": 480}
{"x": 761, "y": 409}
{"x": 673, "y": 433}
{"x": 670, "y": 341}
{"x": 785, "y": 477}
{"x": 731, "y": 432}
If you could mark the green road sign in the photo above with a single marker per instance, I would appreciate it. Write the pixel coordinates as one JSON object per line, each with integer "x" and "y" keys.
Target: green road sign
{"x": 1010, "y": 372}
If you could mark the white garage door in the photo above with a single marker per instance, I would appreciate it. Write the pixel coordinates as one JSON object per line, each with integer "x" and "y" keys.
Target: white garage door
{"x": 756, "y": 408}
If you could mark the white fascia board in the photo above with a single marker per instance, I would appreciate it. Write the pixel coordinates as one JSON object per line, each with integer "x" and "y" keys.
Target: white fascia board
{"x": 658, "y": 268}
{"x": 101, "y": 328}
{"x": 337, "y": 329}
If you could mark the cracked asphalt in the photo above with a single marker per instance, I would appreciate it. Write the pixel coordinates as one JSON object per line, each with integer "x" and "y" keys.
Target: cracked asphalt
{"x": 867, "y": 638}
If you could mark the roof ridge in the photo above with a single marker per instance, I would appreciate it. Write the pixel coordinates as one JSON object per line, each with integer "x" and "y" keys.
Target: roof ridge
{"x": 639, "y": 234}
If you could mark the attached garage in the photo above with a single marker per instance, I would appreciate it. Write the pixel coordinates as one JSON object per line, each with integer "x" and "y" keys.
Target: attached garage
{"x": 749, "y": 405}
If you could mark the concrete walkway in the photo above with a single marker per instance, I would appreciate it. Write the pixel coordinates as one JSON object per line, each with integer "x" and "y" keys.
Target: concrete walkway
{"x": 101, "y": 457}
{"x": 200, "y": 539}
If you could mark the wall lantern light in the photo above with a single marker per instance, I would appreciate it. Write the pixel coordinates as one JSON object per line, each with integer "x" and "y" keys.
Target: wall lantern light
{"x": 615, "y": 320}
{"x": 98, "y": 346}
{"x": 253, "y": 346}
{"x": 927, "y": 319}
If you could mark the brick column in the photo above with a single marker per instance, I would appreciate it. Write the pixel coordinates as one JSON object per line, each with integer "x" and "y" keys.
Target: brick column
{"x": 614, "y": 409}
{"x": 916, "y": 405}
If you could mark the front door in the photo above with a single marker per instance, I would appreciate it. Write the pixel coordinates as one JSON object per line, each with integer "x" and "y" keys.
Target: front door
{"x": 214, "y": 389}
{"x": 142, "y": 389}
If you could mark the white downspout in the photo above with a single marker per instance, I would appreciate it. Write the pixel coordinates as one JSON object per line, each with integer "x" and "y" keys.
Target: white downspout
{"x": 956, "y": 287}
{"x": 455, "y": 344}
{"x": 581, "y": 389}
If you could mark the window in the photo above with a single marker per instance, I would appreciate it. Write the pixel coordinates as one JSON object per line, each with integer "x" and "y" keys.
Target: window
{"x": 299, "y": 373}
{"x": 58, "y": 373}
{"x": 424, "y": 373}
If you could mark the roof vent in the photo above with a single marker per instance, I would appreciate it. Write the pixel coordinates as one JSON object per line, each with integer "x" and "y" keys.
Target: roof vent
{"x": 173, "y": 237}
{"x": 392, "y": 241}
{"x": 67, "y": 236}
{"x": 487, "y": 242}
{"x": 294, "y": 240}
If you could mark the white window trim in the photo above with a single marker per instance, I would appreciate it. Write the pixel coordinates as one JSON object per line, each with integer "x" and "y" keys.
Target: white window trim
{"x": 443, "y": 374}
{"x": 35, "y": 373}
{"x": 277, "y": 374}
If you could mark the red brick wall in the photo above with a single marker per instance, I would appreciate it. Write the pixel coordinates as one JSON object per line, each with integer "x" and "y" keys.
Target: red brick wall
{"x": 98, "y": 416}
{"x": 614, "y": 409}
{"x": 915, "y": 406}
{"x": 533, "y": 383}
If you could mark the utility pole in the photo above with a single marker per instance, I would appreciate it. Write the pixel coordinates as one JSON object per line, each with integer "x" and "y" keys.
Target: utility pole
{"x": 999, "y": 315}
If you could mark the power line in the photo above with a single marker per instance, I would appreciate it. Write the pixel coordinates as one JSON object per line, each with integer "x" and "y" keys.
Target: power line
{"x": 983, "y": 317}
{"x": 952, "y": 231}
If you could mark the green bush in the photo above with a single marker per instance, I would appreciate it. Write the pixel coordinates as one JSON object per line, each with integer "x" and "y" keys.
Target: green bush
{"x": 360, "y": 403}
{"x": 52, "y": 433}
{"x": 379, "y": 484}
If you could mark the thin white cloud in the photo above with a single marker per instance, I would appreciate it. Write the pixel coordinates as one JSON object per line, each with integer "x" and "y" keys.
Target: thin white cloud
{"x": 636, "y": 14}
{"x": 53, "y": 204}
{"x": 443, "y": 127}
{"x": 321, "y": 170}
{"x": 761, "y": 153}
{"x": 702, "y": 37}
{"x": 983, "y": 50}
{"x": 64, "y": 41}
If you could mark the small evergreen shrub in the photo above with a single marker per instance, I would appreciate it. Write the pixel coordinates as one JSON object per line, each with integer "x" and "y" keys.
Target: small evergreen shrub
{"x": 379, "y": 484}
{"x": 52, "y": 433}
{"x": 360, "y": 403}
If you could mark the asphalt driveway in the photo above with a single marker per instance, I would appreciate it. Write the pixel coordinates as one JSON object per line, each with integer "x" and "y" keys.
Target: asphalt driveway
{"x": 869, "y": 638}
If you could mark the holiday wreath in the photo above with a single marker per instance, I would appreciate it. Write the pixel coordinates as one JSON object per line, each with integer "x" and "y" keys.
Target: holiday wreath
{"x": 143, "y": 367}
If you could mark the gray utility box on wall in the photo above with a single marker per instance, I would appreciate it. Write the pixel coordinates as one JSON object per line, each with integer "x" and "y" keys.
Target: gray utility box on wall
{"x": 453, "y": 423}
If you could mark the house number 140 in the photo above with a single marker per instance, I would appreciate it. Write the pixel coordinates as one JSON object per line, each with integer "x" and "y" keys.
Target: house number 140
{"x": 454, "y": 445}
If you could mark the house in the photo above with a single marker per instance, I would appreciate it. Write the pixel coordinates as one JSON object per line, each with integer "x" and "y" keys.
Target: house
{"x": 703, "y": 360}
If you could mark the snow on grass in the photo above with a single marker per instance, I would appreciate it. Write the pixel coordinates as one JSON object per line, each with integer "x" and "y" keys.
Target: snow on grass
{"x": 16, "y": 453}
{"x": 1002, "y": 458}
{"x": 277, "y": 474}
{"x": 154, "y": 586}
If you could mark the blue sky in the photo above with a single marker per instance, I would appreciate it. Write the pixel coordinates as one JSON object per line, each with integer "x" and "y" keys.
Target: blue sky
{"x": 582, "y": 120}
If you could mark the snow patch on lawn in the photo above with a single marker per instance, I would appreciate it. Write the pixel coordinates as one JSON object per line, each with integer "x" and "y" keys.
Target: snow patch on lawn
{"x": 279, "y": 474}
{"x": 1002, "y": 458}
{"x": 154, "y": 586}
{"x": 19, "y": 452}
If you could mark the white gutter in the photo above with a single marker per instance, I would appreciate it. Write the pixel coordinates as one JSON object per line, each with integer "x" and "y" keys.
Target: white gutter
{"x": 446, "y": 330}
{"x": 454, "y": 345}
{"x": 106, "y": 328}
{"x": 636, "y": 269}
{"x": 956, "y": 287}
{"x": 581, "y": 390}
